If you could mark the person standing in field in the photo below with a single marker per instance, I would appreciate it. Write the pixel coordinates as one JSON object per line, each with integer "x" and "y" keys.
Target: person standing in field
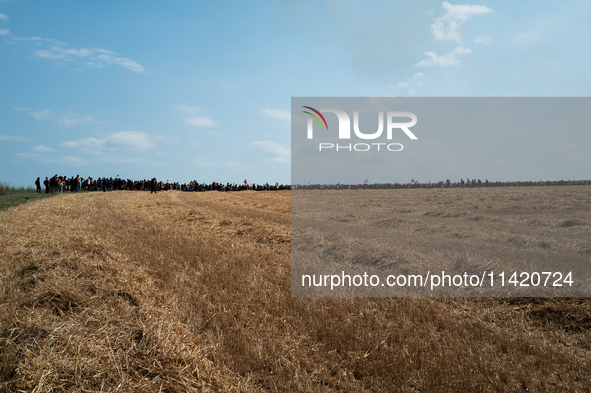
{"x": 38, "y": 185}
{"x": 153, "y": 186}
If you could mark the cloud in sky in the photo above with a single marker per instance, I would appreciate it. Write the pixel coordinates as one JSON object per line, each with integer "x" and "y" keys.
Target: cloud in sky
{"x": 444, "y": 60}
{"x": 454, "y": 17}
{"x": 407, "y": 83}
{"x": 417, "y": 76}
{"x": 40, "y": 114}
{"x": 43, "y": 149}
{"x": 95, "y": 57}
{"x": 278, "y": 152}
{"x": 14, "y": 138}
{"x": 4, "y": 17}
{"x": 122, "y": 62}
{"x": 70, "y": 160}
{"x": 87, "y": 143}
{"x": 526, "y": 38}
{"x": 32, "y": 39}
{"x": 482, "y": 39}
{"x": 4, "y": 31}
{"x": 201, "y": 162}
{"x": 190, "y": 109}
{"x": 201, "y": 122}
{"x": 70, "y": 122}
{"x": 130, "y": 140}
{"x": 280, "y": 114}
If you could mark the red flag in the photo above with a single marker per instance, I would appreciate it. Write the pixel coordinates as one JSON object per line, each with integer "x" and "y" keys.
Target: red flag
{"x": 365, "y": 181}
{"x": 245, "y": 183}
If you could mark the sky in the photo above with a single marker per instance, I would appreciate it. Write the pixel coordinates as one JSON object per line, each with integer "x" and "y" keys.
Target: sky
{"x": 191, "y": 90}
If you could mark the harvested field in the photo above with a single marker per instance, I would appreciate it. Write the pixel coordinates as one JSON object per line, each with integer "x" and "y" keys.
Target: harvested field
{"x": 473, "y": 230}
{"x": 130, "y": 291}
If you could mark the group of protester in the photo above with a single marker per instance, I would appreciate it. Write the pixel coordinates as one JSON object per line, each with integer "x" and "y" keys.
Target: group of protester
{"x": 74, "y": 184}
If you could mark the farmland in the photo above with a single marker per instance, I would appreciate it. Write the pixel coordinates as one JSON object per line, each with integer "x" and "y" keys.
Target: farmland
{"x": 132, "y": 291}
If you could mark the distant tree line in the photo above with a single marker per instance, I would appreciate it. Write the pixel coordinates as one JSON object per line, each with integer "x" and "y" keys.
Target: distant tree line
{"x": 468, "y": 183}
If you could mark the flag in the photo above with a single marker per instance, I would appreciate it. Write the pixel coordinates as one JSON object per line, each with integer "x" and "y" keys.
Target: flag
{"x": 365, "y": 181}
{"x": 412, "y": 180}
{"x": 245, "y": 183}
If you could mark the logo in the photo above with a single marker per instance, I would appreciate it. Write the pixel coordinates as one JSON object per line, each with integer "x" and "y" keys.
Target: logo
{"x": 345, "y": 129}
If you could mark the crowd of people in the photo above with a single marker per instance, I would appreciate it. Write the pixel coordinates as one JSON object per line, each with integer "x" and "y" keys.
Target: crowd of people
{"x": 74, "y": 184}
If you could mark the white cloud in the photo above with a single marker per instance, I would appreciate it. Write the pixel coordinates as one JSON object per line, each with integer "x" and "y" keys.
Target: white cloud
{"x": 411, "y": 91}
{"x": 444, "y": 60}
{"x": 4, "y": 17}
{"x": 32, "y": 39}
{"x": 92, "y": 57}
{"x": 482, "y": 39}
{"x": 42, "y": 149}
{"x": 70, "y": 122}
{"x": 462, "y": 50}
{"x": 279, "y": 152}
{"x": 88, "y": 143}
{"x": 103, "y": 51}
{"x": 235, "y": 166}
{"x": 70, "y": 160}
{"x": 526, "y": 38}
{"x": 280, "y": 114}
{"x": 201, "y": 122}
{"x": 130, "y": 140}
{"x": 201, "y": 162}
{"x": 74, "y": 52}
{"x": 46, "y": 54}
{"x": 455, "y": 16}
{"x": 190, "y": 109}
{"x": 14, "y": 138}
{"x": 40, "y": 114}
{"x": 4, "y": 31}
{"x": 60, "y": 160}
{"x": 20, "y": 109}
{"x": 417, "y": 76}
{"x": 123, "y": 62}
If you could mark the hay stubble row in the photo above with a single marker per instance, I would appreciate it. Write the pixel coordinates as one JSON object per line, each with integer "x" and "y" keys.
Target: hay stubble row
{"x": 130, "y": 291}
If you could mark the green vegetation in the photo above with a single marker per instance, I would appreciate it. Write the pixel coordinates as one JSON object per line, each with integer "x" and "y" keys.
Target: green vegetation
{"x": 6, "y": 203}
{"x": 6, "y": 189}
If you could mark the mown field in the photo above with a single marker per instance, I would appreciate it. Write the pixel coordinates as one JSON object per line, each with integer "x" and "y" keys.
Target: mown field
{"x": 175, "y": 292}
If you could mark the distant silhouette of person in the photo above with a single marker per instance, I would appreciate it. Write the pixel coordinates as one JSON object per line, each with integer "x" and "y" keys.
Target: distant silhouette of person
{"x": 153, "y": 186}
{"x": 38, "y": 185}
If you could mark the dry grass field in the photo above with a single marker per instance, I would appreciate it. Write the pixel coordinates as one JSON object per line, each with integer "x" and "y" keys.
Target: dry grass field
{"x": 176, "y": 292}
{"x": 473, "y": 230}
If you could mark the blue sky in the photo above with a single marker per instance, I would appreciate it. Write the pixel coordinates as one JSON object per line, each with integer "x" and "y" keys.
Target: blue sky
{"x": 201, "y": 90}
